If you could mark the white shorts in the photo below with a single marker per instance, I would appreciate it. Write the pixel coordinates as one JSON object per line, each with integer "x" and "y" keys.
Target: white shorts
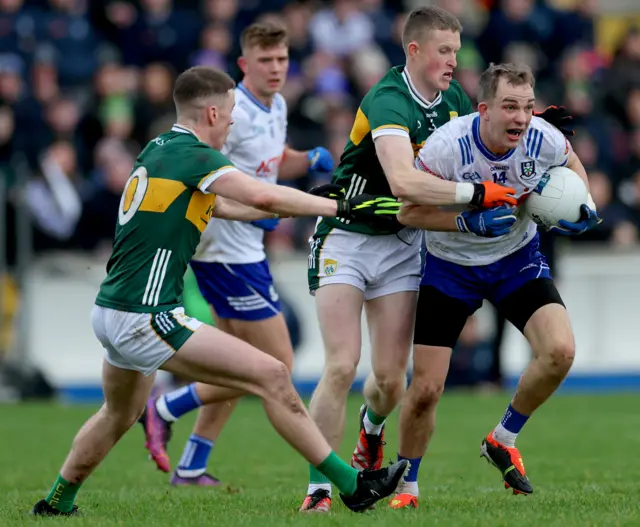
{"x": 141, "y": 341}
{"x": 377, "y": 265}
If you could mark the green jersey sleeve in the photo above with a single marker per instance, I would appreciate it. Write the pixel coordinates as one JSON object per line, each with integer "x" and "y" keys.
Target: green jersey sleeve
{"x": 202, "y": 166}
{"x": 389, "y": 114}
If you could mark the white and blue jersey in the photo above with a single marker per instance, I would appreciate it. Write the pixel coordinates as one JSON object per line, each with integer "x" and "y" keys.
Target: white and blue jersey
{"x": 468, "y": 267}
{"x": 230, "y": 261}
{"x": 455, "y": 152}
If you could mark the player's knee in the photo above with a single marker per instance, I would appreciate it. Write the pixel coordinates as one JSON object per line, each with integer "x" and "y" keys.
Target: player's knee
{"x": 121, "y": 419}
{"x": 275, "y": 378}
{"x": 392, "y": 384}
{"x": 560, "y": 356}
{"x": 424, "y": 394}
{"x": 340, "y": 375}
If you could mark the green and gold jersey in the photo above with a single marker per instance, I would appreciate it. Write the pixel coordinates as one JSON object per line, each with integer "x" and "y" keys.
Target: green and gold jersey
{"x": 392, "y": 107}
{"x": 164, "y": 208}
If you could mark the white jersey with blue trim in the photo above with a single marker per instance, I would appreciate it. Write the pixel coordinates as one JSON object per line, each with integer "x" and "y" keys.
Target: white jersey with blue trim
{"x": 255, "y": 146}
{"x": 455, "y": 152}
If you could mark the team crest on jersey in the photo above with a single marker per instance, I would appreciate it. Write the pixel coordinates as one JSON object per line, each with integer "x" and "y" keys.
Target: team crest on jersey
{"x": 453, "y": 115}
{"x": 528, "y": 170}
{"x": 330, "y": 266}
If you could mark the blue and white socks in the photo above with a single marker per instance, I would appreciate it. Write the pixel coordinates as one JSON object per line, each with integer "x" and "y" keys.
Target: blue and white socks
{"x": 195, "y": 456}
{"x": 509, "y": 427}
{"x": 409, "y": 483}
{"x": 173, "y": 405}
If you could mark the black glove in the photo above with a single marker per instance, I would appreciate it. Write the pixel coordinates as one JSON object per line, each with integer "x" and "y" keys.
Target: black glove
{"x": 559, "y": 117}
{"x": 367, "y": 207}
{"x": 330, "y": 190}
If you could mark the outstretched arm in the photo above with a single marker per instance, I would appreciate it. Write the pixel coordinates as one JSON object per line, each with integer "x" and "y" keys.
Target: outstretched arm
{"x": 229, "y": 209}
{"x": 428, "y": 218}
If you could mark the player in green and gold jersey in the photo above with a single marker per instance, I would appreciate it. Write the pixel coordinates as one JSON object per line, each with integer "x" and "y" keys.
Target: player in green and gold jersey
{"x": 178, "y": 182}
{"x": 353, "y": 264}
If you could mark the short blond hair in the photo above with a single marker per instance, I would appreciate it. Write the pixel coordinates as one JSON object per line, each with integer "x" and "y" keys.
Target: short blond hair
{"x": 264, "y": 35}
{"x": 424, "y": 19}
{"x": 514, "y": 74}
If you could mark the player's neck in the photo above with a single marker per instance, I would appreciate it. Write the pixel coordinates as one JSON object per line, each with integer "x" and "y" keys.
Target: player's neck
{"x": 189, "y": 126}
{"x": 498, "y": 150}
{"x": 266, "y": 101}
{"x": 429, "y": 93}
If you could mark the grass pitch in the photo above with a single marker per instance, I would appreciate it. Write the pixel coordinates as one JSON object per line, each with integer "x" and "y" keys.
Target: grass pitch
{"x": 581, "y": 454}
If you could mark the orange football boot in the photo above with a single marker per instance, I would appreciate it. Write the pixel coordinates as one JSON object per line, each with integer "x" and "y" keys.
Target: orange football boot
{"x": 509, "y": 462}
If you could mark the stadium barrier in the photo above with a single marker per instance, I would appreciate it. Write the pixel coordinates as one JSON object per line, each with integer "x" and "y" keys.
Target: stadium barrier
{"x": 601, "y": 290}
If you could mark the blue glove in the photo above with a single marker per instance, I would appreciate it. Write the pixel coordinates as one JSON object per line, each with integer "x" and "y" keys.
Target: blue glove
{"x": 268, "y": 225}
{"x": 588, "y": 220}
{"x": 489, "y": 223}
{"x": 320, "y": 160}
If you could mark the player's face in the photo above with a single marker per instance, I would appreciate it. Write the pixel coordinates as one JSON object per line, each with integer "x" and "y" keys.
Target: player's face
{"x": 221, "y": 120}
{"x": 509, "y": 114}
{"x": 265, "y": 69}
{"x": 437, "y": 58}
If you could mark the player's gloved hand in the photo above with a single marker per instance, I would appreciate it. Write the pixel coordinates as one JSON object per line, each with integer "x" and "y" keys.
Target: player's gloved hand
{"x": 489, "y": 194}
{"x": 320, "y": 160}
{"x": 330, "y": 190}
{"x": 588, "y": 220}
{"x": 559, "y": 117}
{"x": 489, "y": 223}
{"x": 369, "y": 208}
{"x": 268, "y": 224}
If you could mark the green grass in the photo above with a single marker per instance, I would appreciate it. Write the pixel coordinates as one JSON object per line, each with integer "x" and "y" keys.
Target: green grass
{"x": 581, "y": 454}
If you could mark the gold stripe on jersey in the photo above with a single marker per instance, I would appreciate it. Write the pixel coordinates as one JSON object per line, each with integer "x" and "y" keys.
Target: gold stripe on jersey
{"x": 416, "y": 148}
{"x": 160, "y": 194}
{"x": 200, "y": 209}
{"x": 360, "y": 128}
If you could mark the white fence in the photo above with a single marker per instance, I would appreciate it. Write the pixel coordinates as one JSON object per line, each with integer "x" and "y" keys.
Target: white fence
{"x": 601, "y": 290}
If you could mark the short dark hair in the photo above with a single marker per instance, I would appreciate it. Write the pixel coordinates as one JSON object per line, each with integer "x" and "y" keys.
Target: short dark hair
{"x": 263, "y": 35}
{"x": 424, "y": 19}
{"x": 200, "y": 82}
{"x": 515, "y": 74}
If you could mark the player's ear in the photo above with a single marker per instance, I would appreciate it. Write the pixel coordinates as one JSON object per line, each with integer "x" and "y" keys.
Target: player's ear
{"x": 242, "y": 64}
{"x": 413, "y": 49}
{"x": 482, "y": 110}
{"x": 212, "y": 114}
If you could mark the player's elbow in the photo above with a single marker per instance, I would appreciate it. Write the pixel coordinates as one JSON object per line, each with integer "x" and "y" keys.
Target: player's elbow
{"x": 399, "y": 187}
{"x": 264, "y": 199}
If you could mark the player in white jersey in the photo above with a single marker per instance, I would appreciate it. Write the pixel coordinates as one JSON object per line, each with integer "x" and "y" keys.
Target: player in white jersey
{"x": 230, "y": 263}
{"x": 493, "y": 255}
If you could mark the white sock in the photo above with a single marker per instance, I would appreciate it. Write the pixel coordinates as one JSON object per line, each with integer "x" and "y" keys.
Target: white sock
{"x": 370, "y": 428}
{"x": 407, "y": 487}
{"x": 315, "y": 486}
{"x": 502, "y": 435}
{"x": 161, "y": 407}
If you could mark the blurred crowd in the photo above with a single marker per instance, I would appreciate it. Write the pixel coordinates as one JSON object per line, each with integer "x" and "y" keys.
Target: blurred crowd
{"x": 84, "y": 85}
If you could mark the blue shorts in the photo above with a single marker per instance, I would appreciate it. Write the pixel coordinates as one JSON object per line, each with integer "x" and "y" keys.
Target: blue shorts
{"x": 494, "y": 282}
{"x": 238, "y": 291}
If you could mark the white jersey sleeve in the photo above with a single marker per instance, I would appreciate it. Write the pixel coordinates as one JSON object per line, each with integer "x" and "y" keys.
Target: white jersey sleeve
{"x": 437, "y": 156}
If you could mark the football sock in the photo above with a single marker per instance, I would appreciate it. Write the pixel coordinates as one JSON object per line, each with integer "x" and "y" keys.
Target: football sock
{"x": 373, "y": 422}
{"x": 339, "y": 473}
{"x": 507, "y": 429}
{"x": 175, "y": 404}
{"x": 195, "y": 456}
{"x": 409, "y": 483}
{"x": 63, "y": 494}
{"x": 317, "y": 480}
